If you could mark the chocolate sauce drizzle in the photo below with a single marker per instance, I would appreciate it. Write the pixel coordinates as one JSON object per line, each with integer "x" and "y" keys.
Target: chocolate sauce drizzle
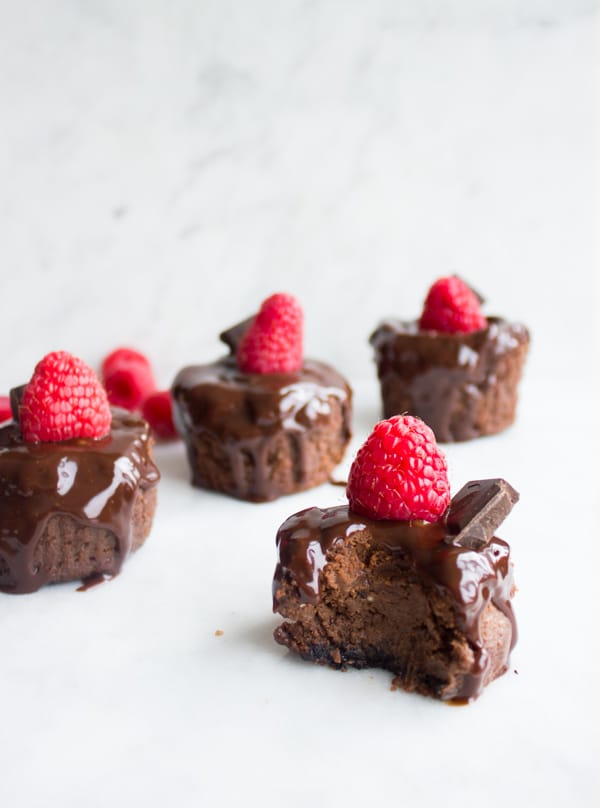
{"x": 471, "y": 577}
{"x": 92, "y": 481}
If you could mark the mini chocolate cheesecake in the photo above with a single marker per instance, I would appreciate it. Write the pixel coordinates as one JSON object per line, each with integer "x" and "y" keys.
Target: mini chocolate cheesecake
{"x": 462, "y": 385}
{"x": 258, "y": 436}
{"x": 430, "y": 602}
{"x": 75, "y": 508}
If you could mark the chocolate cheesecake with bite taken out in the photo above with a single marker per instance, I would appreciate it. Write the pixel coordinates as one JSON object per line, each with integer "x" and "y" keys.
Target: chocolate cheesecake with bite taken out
{"x": 402, "y": 577}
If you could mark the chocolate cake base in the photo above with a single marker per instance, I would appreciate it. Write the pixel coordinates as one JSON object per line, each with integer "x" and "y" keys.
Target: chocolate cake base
{"x": 462, "y": 385}
{"x": 400, "y": 596}
{"x": 260, "y": 436}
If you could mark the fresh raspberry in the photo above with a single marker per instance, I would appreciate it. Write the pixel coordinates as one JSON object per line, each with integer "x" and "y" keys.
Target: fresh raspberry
{"x": 453, "y": 307}
{"x": 157, "y": 409}
{"x": 5, "y": 409}
{"x": 63, "y": 400}
{"x": 273, "y": 341}
{"x": 399, "y": 473}
{"x": 128, "y": 378}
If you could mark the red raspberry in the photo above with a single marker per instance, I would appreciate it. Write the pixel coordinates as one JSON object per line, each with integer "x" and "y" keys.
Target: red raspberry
{"x": 453, "y": 307}
{"x": 399, "y": 473}
{"x": 63, "y": 400}
{"x": 5, "y": 409}
{"x": 157, "y": 409}
{"x": 128, "y": 378}
{"x": 273, "y": 341}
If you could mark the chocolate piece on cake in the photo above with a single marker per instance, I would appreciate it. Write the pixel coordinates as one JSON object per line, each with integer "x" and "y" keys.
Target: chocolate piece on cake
{"x": 74, "y": 508}
{"x": 258, "y": 436}
{"x": 462, "y": 385}
{"x": 477, "y": 510}
{"x": 414, "y": 598}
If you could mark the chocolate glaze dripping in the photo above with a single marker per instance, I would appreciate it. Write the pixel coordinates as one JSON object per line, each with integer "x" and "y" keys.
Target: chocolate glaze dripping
{"x": 246, "y": 414}
{"x": 443, "y": 377}
{"x": 92, "y": 481}
{"x": 440, "y": 551}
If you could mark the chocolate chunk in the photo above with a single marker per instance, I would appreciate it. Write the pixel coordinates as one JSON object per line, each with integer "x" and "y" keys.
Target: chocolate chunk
{"x": 477, "y": 510}
{"x": 16, "y": 396}
{"x": 477, "y": 294}
{"x": 233, "y": 336}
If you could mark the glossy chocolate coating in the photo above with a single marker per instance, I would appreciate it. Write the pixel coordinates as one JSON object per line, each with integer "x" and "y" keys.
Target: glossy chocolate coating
{"x": 253, "y": 419}
{"x": 461, "y": 385}
{"x": 93, "y": 481}
{"x": 246, "y": 424}
{"x": 471, "y": 578}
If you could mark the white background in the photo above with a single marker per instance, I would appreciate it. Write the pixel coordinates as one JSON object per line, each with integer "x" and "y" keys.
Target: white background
{"x": 163, "y": 167}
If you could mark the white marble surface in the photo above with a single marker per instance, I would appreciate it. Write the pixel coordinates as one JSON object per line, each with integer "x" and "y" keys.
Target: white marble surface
{"x": 166, "y": 165}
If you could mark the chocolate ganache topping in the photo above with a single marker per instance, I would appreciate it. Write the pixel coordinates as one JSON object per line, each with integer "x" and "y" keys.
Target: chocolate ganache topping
{"x": 92, "y": 481}
{"x": 462, "y": 385}
{"x": 440, "y": 552}
{"x": 244, "y": 418}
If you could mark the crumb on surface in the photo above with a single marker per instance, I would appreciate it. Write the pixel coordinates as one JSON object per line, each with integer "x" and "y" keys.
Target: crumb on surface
{"x": 219, "y": 633}
{"x": 342, "y": 483}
